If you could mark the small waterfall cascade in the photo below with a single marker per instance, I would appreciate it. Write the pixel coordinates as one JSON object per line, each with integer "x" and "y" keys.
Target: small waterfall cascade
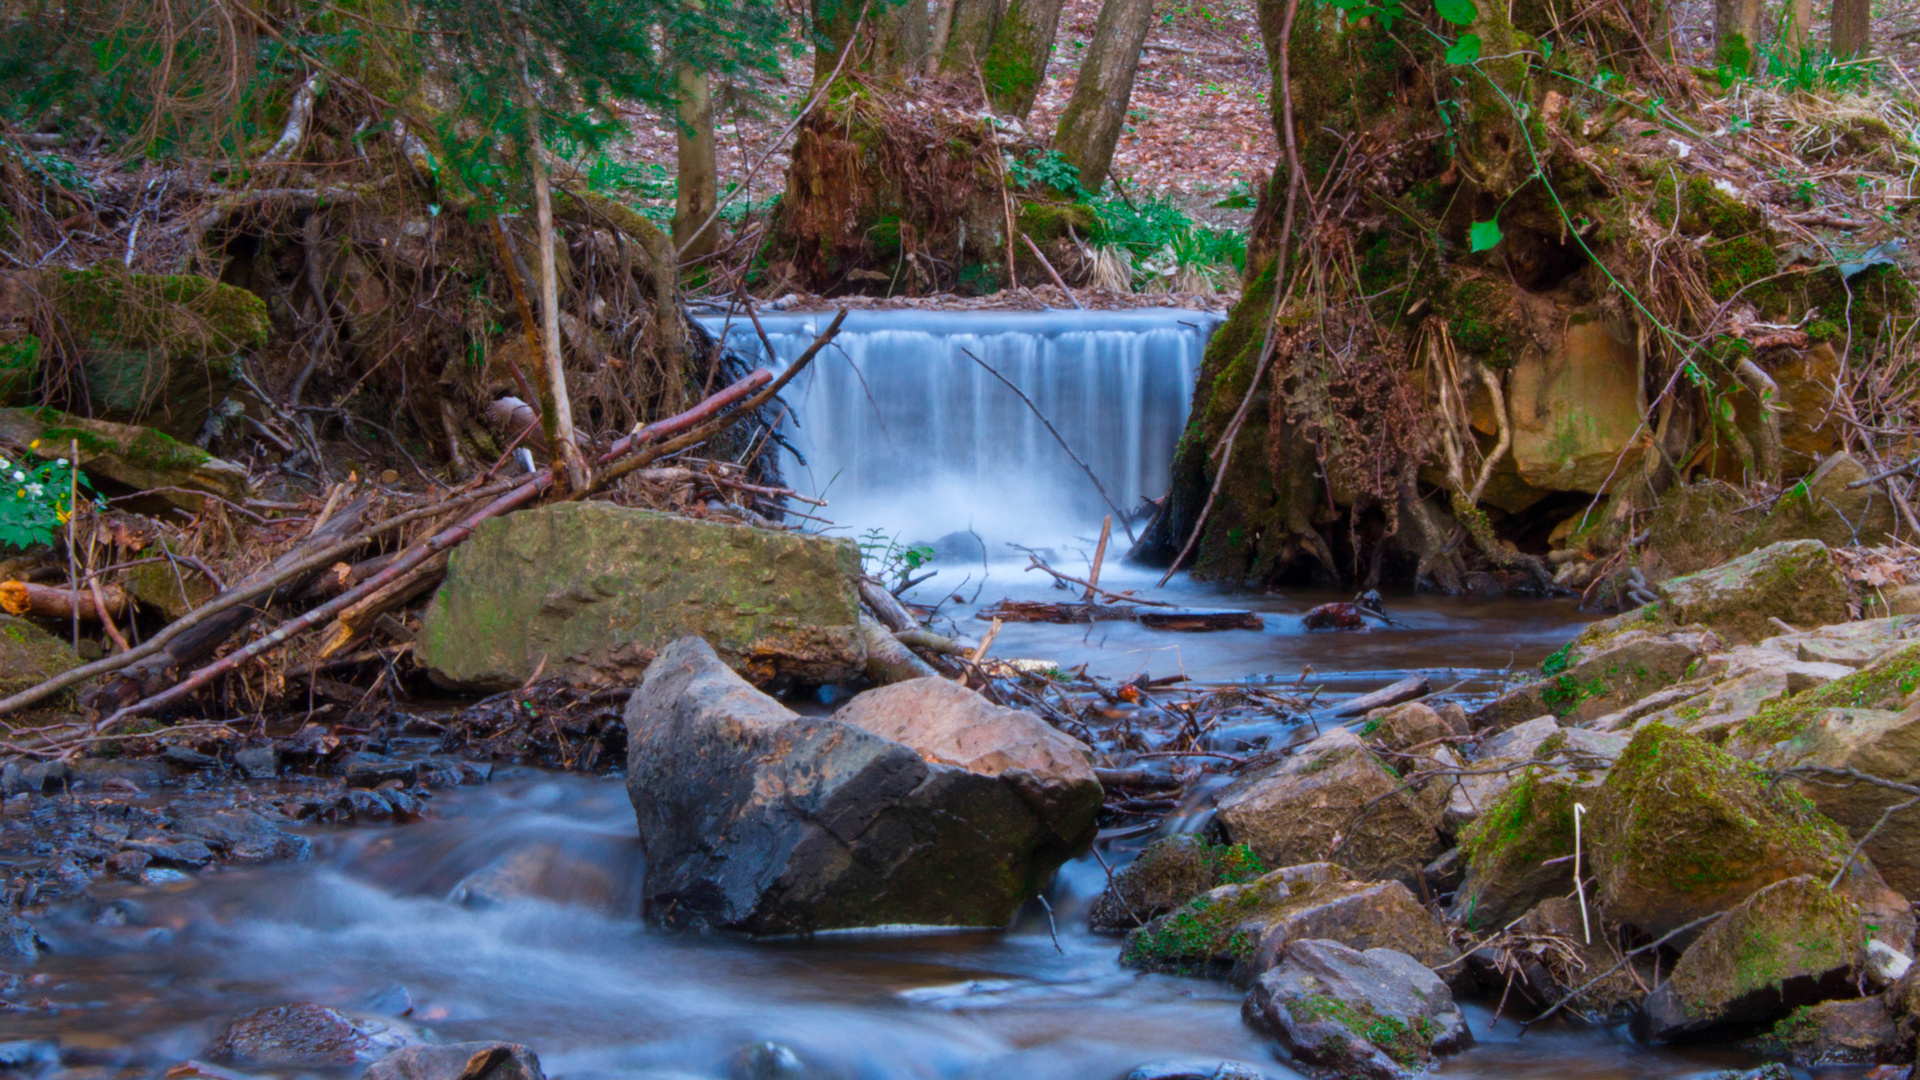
{"x": 905, "y": 433}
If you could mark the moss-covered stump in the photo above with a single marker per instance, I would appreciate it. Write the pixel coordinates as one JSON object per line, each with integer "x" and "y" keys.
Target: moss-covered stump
{"x": 154, "y": 347}
{"x": 28, "y": 657}
{"x": 139, "y": 458}
{"x": 1583, "y": 681}
{"x": 1334, "y": 800}
{"x": 1793, "y": 942}
{"x": 589, "y": 591}
{"x": 1682, "y": 829}
{"x": 1239, "y": 931}
{"x": 1794, "y": 581}
{"x": 1377, "y": 1013}
{"x": 1877, "y": 742}
{"x": 1510, "y": 848}
{"x": 1166, "y": 875}
{"x": 1855, "y": 1032}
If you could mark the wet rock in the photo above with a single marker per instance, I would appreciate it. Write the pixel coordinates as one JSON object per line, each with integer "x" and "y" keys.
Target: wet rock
{"x": 1378, "y": 1014}
{"x": 1169, "y": 873}
{"x": 19, "y": 940}
{"x": 140, "y": 458}
{"x": 243, "y": 836}
{"x": 366, "y": 770}
{"x": 592, "y": 590}
{"x": 458, "y": 1061}
{"x": 1548, "y": 975}
{"x": 392, "y": 1000}
{"x": 1823, "y": 507}
{"x": 28, "y": 1055}
{"x": 187, "y": 758}
{"x": 126, "y": 776}
{"x": 309, "y": 1035}
{"x": 1199, "y": 1068}
{"x": 1242, "y": 930}
{"x": 754, "y": 818}
{"x": 1857, "y": 1032}
{"x": 1309, "y": 807}
{"x": 769, "y": 1061}
{"x": 1682, "y": 829}
{"x": 128, "y": 864}
{"x": 1512, "y": 847}
{"x": 257, "y": 762}
{"x": 1402, "y": 727}
{"x": 1794, "y": 581}
{"x": 186, "y": 852}
{"x": 1793, "y": 942}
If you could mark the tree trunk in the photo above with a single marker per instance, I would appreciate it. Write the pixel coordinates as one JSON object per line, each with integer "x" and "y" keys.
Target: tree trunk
{"x": 1090, "y": 125}
{"x": 1796, "y": 20}
{"x": 1736, "y": 33}
{"x": 1016, "y": 63}
{"x": 563, "y": 437}
{"x": 971, "y": 25}
{"x": 698, "y": 171}
{"x": 893, "y": 37}
{"x": 1852, "y": 31}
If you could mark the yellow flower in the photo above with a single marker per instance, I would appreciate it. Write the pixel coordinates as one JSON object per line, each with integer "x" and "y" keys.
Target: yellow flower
{"x": 34, "y": 445}
{"x": 21, "y": 494}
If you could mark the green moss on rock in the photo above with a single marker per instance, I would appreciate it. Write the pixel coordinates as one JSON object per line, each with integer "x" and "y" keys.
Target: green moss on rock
{"x": 1886, "y": 683}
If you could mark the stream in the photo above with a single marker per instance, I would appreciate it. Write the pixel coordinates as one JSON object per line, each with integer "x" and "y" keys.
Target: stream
{"x": 511, "y": 911}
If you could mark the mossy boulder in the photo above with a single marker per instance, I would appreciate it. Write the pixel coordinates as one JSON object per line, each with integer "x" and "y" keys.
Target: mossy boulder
{"x": 1577, "y": 411}
{"x": 1239, "y": 931}
{"x": 1877, "y": 742}
{"x": 171, "y": 588}
{"x": 1402, "y": 727}
{"x": 1512, "y": 845}
{"x": 1825, "y": 507}
{"x": 1888, "y": 683}
{"x": 29, "y": 656}
{"x": 590, "y": 592}
{"x": 154, "y": 346}
{"x": 1334, "y": 800}
{"x": 1167, "y": 874}
{"x": 1682, "y": 829}
{"x": 1694, "y": 527}
{"x": 1794, "y": 581}
{"x": 139, "y": 458}
{"x": 1582, "y": 682}
{"x": 1849, "y": 1032}
{"x": 1377, "y": 1013}
{"x": 1792, "y": 942}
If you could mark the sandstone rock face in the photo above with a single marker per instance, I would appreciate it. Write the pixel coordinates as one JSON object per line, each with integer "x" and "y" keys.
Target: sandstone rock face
{"x": 1575, "y": 411}
{"x": 305, "y": 1034}
{"x": 1378, "y": 1014}
{"x": 754, "y": 818}
{"x": 592, "y": 591}
{"x": 1794, "y": 581}
{"x": 1793, "y": 942}
{"x": 1302, "y": 809}
{"x": 1681, "y": 829}
{"x": 1588, "y": 681}
{"x": 1402, "y": 727}
{"x": 1242, "y": 930}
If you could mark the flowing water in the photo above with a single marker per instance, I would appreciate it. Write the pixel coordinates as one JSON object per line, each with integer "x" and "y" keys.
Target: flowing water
{"x": 511, "y": 912}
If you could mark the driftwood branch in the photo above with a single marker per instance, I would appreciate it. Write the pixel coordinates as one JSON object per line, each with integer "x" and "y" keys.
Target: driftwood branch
{"x": 56, "y": 602}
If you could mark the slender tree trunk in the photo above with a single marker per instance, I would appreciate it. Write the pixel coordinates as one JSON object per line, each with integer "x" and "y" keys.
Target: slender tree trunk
{"x": 698, "y": 171}
{"x": 1795, "y": 20}
{"x": 970, "y": 28}
{"x": 1736, "y": 33}
{"x": 937, "y": 42}
{"x": 1852, "y": 31}
{"x": 563, "y": 439}
{"x": 1090, "y": 125}
{"x": 1016, "y": 63}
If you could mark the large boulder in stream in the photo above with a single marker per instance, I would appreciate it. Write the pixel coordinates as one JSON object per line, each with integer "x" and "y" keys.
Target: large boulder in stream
{"x": 589, "y": 592}
{"x": 755, "y": 818}
{"x": 1377, "y": 1014}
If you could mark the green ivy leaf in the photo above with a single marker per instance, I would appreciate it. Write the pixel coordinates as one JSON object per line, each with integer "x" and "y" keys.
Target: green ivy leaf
{"x": 1464, "y": 51}
{"x": 1457, "y": 12}
{"x": 1484, "y": 235}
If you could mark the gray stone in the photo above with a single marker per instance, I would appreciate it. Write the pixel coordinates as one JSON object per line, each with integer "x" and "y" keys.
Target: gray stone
{"x": 1378, "y": 1014}
{"x": 458, "y": 1061}
{"x": 754, "y": 818}
{"x": 258, "y": 762}
{"x": 18, "y": 939}
{"x": 366, "y": 770}
{"x": 589, "y": 592}
{"x": 243, "y": 836}
{"x": 309, "y": 1035}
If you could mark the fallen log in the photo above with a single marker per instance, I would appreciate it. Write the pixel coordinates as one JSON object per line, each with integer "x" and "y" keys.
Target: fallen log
{"x": 350, "y": 625}
{"x": 1157, "y": 618}
{"x": 886, "y": 607}
{"x": 149, "y": 675}
{"x": 1405, "y": 690}
{"x": 54, "y": 602}
{"x": 889, "y": 661}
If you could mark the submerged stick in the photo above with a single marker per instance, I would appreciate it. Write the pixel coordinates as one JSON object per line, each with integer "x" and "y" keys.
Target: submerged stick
{"x": 1057, "y": 437}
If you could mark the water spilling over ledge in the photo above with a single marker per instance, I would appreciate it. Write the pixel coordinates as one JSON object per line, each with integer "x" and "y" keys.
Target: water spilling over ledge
{"x": 903, "y": 431}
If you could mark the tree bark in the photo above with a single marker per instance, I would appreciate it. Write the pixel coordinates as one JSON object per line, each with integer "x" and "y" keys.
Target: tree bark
{"x": 1852, "y": 30}
{"x": 893, "y": 37}
{"x": 697, "y": 168}
{"x": 1090, "y": 124}
{"x": 1736, "y": 33}
{"x": 1016, "y": 63}
{"x": 1797, "y": 19}
{"x": 571, "y": 462}
{"x": 971, "y": 25}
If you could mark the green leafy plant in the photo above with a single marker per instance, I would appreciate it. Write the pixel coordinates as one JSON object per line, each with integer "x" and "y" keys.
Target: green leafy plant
{"x": 1046, "y": 170}
{"x": 34, "y": 503}
{"x": 887, "y": 560}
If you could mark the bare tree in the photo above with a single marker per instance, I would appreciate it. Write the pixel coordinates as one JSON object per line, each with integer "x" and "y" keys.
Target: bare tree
{"x": 697, "y": 168}
{"x": 1090, "y": 125}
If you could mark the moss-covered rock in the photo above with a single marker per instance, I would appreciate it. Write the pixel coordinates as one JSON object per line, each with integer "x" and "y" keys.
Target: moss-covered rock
{"x": 1239, "y": 931}
{"x": 1792, "y": 942}
{"x": 170, "y": 588}
{"x": 1049, "y": 221}
{"x": 1377, "y": 1013}
{"x": 1334, "y": 800}
{"x": 1166, "y": 875}
{"x": 139, "y": 458}
{"x": 1510, "y": 848}
{"x": 1694, "y": 527}
{"x": 1577, "y": 411}
{"x": 1877, "y": 742}
{"x": 1827, "y": 508}
{"x": 1856, "y": 1032}
{"x": 29, "y": 656}
{"x": 1682, "y": 829}
{"x": 1889, "y": 683}
{"x": 590, "y": 591}
{"x": 1795, "y": 581}
{"x": 1583, "y": 681}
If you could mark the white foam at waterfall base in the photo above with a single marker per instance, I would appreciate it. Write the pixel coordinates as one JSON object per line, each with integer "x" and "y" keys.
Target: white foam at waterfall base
{"x": 903, "y": 432}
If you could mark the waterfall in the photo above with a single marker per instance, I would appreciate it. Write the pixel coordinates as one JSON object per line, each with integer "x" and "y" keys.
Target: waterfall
{"x": 904, "y": 433}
